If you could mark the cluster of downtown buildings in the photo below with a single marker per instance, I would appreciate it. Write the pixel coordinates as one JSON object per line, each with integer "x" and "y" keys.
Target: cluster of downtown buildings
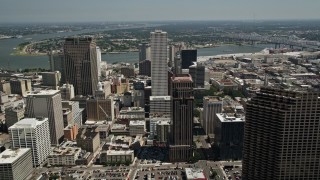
{"x": 83, "y": 108}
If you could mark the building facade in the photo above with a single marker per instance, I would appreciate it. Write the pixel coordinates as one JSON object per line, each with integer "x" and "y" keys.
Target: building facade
{"x": 16, "y": 164}
{"x": 80, "y": 56}
{"x": 180, "y": 148}
{"x": 281, "y": 138}
{"x": 159, "y": 67}
{"x": 34, "y": 134}
{"x": 188, "y": 56}
{"x": 211, "y": 106}
{"x": 47, "y": 103}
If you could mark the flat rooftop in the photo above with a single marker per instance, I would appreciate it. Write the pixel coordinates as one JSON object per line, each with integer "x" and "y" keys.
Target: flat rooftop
{"x": 137, "y": 123}
{"x": 9, "y": 156}
{"x": 182, "y": 78}
{"x": 213, "y": 98}
{"x": 28, "y": 123}
{"x": 116, "y": 152}
{"x": 43, "y": 92}
{"x": 223, "y": 117}
{"x": 195, "y": 173}
{"x": 155, "y": 98}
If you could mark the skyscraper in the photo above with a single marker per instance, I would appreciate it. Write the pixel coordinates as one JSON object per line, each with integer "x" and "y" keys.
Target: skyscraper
{"x": 56, "y": 61}
{"x": 188, "y": 56}
{"x": 282, "y": 132}
{"x": 211, "y": 106}
{"x": 81, "y": 65}
{"x": 182, "y": 119}
{"x": 159, "y": 66}
{"x": 32, "y": 133}
{"x": 144, "y": 51}
{"x": 197, "y": 71}
{"x": 47, "y": 103}
{"x": 98, "y": 61}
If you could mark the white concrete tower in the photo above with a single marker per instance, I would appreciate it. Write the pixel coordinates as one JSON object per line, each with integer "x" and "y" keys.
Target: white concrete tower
{"x": 159, "y": 66}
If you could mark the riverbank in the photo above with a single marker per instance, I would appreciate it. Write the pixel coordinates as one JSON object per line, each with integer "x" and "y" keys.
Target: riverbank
{"x": 25, "y": 49}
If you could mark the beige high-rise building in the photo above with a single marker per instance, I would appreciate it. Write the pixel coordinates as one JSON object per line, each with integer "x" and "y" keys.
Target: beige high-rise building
{"x": 80, "y": 56}
{"x": 211, "y": 106}
{"x": 47, "y": 103}
{"x": 281, "y": 136}
{"x": 5, "y": 87}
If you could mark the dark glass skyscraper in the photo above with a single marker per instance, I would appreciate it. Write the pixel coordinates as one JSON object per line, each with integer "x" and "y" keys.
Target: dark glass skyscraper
{"x": 282, "y": 133}
{"x": 188, "y": 57}
{"x": 81, "y": 65}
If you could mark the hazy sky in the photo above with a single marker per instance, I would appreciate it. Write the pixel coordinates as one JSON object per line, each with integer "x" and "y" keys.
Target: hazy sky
{"x": 149, "y": 10}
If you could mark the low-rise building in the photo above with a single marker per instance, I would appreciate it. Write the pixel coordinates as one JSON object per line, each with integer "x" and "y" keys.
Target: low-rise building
{"x": 137, "y": 127}
{"x": 195, "y": 174}
{"x": 88, "y": 138}
{"x": 64, "y": 156}
{"x": 116, "y": 156}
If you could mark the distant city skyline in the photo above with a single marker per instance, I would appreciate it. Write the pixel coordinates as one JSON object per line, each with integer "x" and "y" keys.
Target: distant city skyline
{"x": 15, "y": 11}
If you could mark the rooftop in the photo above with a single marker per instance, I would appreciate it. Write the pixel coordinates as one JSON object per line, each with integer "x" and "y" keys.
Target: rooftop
{"x": 182, "y": 78}
{"x": 195, "y": 173}
{"x": 224, "y": 117}
{"x": 116, "y": 152}
{"x": 137, "y": 123}
{"x": 43, "y": 92}
{"x": 9, "y": 156}
{"x": 155, "y": 98}
{"x": 213, "y": 98}
{"x": 28, "y": 123}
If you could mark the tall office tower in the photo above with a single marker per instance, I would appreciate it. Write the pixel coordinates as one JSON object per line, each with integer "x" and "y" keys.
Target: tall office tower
{"x": 98, "y": 61}
{"x": 14, "y": 115}
{"x": 282, "y": 132}
{"x": 198, "y": 71}
{"x": 67, "y": 92}
{"x": 51, "y": 78}
{"x": 35, "y": 134}
{"x": 177, "y": 65}
{"x": 188, "y": 56}
{"x": 16, "y": 164}
{"x": 56, "y": 61}
{"x": 159, "y": 67}
{"x": 172, "y": 55}
{"x": 211, "y": 106}
{"x": 228, "y": 136}
{"x": 180, "y": 147}
{"x": 81, "y": 65}
{"x": 145, "y": 68}
{"x": 5, "y": 87}
{"x": 144, "y": 50}
{"x": 47, "y": 103}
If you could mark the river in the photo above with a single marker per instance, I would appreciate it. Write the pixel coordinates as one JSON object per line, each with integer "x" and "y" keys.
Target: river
{"x": 8, "y": 61}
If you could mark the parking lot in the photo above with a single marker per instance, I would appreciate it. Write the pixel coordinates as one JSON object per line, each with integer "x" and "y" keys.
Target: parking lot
{"x": 161, "y": 173}
{"x": 118, "y": 174}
